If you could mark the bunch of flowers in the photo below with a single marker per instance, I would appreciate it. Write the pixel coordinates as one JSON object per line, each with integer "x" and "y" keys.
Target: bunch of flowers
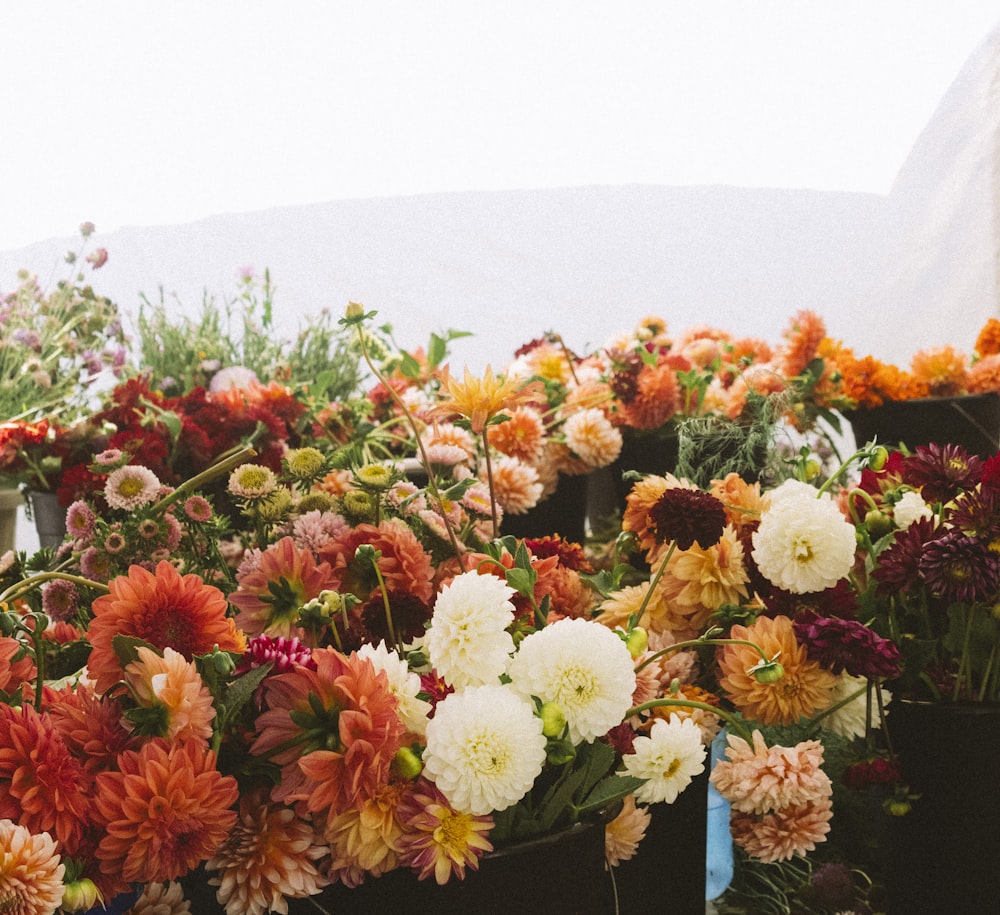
{"x": 344, "y": 707}
{"x": 56, "y": 344}
{"x": 755, "y": 621}
{"x": 862, "y": 382}
{"x": 929, "y": 573}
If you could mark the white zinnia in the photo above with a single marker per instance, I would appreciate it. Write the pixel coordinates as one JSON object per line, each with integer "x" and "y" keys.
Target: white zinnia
{"x": 851, "y": 720}
{"x": 668, "y": 759}
{"x": 485, "y": 748}
{"x": 910, "y": 508}
{"x": 404, "y": 683}
{"x": 804, "y": 543}
{"x": 582, "y": 666}
{"x": 468, "y": 643}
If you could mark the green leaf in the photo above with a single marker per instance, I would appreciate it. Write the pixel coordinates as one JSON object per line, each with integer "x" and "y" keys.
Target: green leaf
{"x": 557, "y": 802}
{"x": 437, "y": 350}
{"x": 236, "y": 695}
{"x": 596, "y": 759}
{"x": 127, "y": 648}
{"x": 522, "y": 581}
{"x": 410, "y": 368}
{"x": 608, "y": 790}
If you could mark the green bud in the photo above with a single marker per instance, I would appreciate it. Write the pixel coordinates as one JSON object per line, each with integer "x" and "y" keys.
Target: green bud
{"x": 767, "y": 672}
{"x": 222, "y": 661}
{"x": 553, "y": 719}
{"x": 354, "y": 311}
{"x": 559, "y": 752}
{"x": 637, "y": 641}
{"x": 878, "y": 523}
{"x": 80, "y": 895}
{"x": 8, "y": 623}
{"x": 878, "y": 458}
{"x": 811, "y": 469}
{"x": 407, "y": 763}
{"x": 897, "y": 806}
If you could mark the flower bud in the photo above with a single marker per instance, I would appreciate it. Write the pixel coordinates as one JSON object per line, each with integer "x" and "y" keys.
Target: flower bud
{"x": 811, "y": 469}
{"x": 407, "y": 763}
{"x": 222, "y": 661}
{"x": 878, "y": 523}
{"x": 897, "y": 806}
{"x": 559, "y": 752}
{"x": 637, "y": 641}
{"x": 553, "y": 719}
{"x": 878, "y": 458}
{"x": 768, "y": 672}
{"x": 80, "y": 895}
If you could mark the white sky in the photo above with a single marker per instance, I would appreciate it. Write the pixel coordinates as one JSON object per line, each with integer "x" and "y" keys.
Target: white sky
{"x": 126, "y": 113}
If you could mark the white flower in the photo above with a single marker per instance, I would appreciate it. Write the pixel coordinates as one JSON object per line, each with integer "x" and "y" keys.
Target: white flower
{"x": 485, "y": 748}
{"x": 910, "y": 508}
{"x": 131, "y": 486}
{"x": 851, "y": 720}
{"x": 584, "y": 667}
{"x": 468, "y": 643}
{"x": 668, "y": 759}
{"x": 804, "y": 544}
{"x": 404, "y": 683}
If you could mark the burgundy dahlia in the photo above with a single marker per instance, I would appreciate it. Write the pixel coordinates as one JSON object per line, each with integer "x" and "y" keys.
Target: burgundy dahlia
{"x": 898, "y": 564}
{"x": 868, "y": 773}
{"x": 848, "y": 645}
{"x": 941, "y": 472}
{"x": 687, "y": 516}
{"x": 960, "y": 568}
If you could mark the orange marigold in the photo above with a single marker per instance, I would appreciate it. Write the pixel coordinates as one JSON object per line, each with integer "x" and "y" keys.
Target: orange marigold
{"x": 984, "y": 376}
{"x": 163, "y": 609}
{"x": 802, "y": 339}
{"x": 943, "y": 368}
{"x": 521, "y": 436}
{"x": 656, "y": 400}
{"x": 164, "y": 812}
{"x": 988, "y": 341}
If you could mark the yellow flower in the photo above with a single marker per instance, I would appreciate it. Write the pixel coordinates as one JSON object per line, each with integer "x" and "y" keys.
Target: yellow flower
{"x": 479, "y": 399}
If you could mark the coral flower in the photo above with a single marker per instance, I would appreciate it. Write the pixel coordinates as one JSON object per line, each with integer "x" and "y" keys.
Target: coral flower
{"x": 269, "y": 856}
{"x": 42, "y": 786}
{"x": 624, "y": 833}
{"x": 163, "y": 609}
{"x": 364, "y": 842}
{"x": 161, "y": 899}
{"x": 404, "y": 564}
{"x": 90, "y": 726}
{"x": 802, "y": 340}
{"x": 590, "y": 434}
{"x": 333, "y": 730}
{"x": 942, "y": 368}
{"x": 31, "y": 874}
{"x": 783, "y": 834}
{"x": 516, "y": 485}
{"x": 757, "y": 778}
{"x": 270, "y": 597}
{"x": 437, "y": 839}
{"x": 14, "y": 670}
{"x": 164, "y": 812}
{"x": 802, "y": 690}
{"x": 479, "y": 399}
{"x": 656, "y": 398}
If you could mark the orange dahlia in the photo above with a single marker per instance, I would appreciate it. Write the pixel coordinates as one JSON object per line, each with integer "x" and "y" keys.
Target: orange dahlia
{"x": 31, "y": 874}
{"x": 164, "y": 812}
{"x": 269, "y": 856}
{"x": 404, "y": 564}
{"x": 174, "y": 701}
{"x": 363, "y": 841}
{"x": 521, "y": 436}
{"x": 656, "y": 398}
{"x": 804, "y": 688}
{"x": 802, "y": 340}
{"x": 283, "y": 581}
{"x": 42, "y": 786}
{"x": 163, "y": 609}
{"x": 333, "y": 730}
{"x": 984, "y": 376}
{"x": 90, "y": 726}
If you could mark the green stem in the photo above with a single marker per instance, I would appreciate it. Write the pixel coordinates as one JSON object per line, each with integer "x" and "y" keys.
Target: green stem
{"x": 695, "y": 643}
{"x": 29, "y": 584}
{"x": 732, "y": 721}
{"x": 489, "y": 482}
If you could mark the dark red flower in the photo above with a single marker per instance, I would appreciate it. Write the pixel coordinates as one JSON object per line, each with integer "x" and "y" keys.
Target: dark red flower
{"x": 848, "y": 645}
{"x": 941, "y": 472}
{"x": 960, "y": 568}
{"x": 571, "y": 555}
{"x": 898, "y": 564}
{"x": 868, "y": 773}
{"x": 687, "y": 516}
{"x": 840, "y": 601}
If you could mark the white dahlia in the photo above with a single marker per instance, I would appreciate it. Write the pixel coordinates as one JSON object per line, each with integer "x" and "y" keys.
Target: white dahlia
{"x": 467, "y": 642}
{"x": 804, "y": 543}
{"x": 668, "y": 759}
{"x": 404, "y": 683}
{"x": 582, "y": 666}
{"x": 485, "y": 748}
